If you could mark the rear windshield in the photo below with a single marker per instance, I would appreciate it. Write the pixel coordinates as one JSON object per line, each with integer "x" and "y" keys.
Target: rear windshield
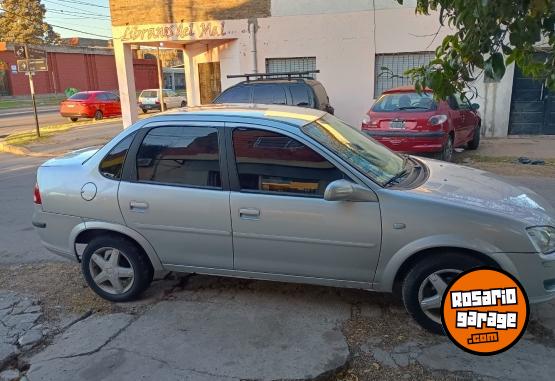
{"x": 149, "y": 94}
{"x": 80, "y": 96}
{"x": 405, "y": 102}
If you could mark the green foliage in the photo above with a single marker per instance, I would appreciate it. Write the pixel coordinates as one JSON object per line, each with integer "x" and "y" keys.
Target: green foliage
{"x": 22, "y": 21}
{"x": 488, "y": 35}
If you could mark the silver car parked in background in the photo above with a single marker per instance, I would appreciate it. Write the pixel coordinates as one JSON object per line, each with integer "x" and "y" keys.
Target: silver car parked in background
{"x": 286, "y": 194}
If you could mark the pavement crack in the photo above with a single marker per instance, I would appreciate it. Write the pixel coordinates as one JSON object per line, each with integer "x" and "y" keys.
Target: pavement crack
{"x": 99, "y": 348}
{"x": 172, "y": 366}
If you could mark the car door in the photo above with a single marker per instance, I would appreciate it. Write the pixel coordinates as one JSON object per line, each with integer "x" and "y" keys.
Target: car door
{"x": 457, "y": 120}
{"x": 175, "y": 194}
{"x": 281, "y": 222}
{"x": 115, "y": 107}
{"x": 468, "y": 116}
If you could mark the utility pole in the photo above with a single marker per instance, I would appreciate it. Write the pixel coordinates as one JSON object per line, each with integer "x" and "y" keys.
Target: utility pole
{"x": 32, "y": 86}
{"x": 160, "y": 81}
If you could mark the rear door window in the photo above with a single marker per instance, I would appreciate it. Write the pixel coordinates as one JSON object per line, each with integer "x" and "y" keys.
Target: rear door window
{"x": 237, "y": 94}
{"x": 300, "y": 96}
{"x": 269, "y": 94}
{"x": 185, "y": 156}
{"x": 79, "y": 97}
{"x": 112, "y": 164}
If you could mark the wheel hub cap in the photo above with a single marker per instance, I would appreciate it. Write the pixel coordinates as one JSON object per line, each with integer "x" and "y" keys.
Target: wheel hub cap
{"x": 111, "y": 270}
{"x": 430, "y": 293}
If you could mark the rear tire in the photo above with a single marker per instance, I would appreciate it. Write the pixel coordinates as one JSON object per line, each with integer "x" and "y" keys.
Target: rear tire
{"x": 424, "y": 285}
{"x": 183, "y": 104}
{"x": 475, "y": 142}
{"x": 116, "y": 269}
{"x": 98, "y": 115}
{"x": 74, "y": 119}
{"x": 144, "y": 110}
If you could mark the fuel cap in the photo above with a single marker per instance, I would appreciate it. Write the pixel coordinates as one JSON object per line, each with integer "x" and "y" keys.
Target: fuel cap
{"x": 88, "y": 192}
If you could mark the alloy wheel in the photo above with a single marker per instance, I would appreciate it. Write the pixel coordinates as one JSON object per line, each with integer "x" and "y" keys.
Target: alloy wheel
{"x": 111, "y": 270}
{"x": 430, "y": 293}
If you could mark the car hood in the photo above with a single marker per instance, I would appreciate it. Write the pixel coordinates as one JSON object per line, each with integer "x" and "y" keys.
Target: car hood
{"x": 474, "y": 188}
{"x": 73, "y": 158}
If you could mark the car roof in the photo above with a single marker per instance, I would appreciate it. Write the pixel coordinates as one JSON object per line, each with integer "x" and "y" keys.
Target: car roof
{"x": 298, "y": 116}
{"x": 405, "y": 89}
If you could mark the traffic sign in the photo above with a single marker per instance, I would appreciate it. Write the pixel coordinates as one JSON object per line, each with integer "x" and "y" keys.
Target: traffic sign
{"x": 32, "y": 53}
{"x": 32, "y": 65}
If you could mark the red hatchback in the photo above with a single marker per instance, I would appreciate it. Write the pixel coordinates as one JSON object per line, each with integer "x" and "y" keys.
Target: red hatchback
{"x": 413, "y": 123}
{"x": 91, "y": 104}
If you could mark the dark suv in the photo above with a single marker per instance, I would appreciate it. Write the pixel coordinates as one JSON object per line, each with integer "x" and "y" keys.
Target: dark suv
{"x": 300, "y": 92}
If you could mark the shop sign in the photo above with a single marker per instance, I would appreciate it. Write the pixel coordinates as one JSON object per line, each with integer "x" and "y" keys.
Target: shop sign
{"x": 175, "y": 31}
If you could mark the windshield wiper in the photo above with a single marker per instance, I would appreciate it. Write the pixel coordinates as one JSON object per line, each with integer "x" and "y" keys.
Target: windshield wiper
{"x": 400, "y": 175}
{"x": 413, "y": 108}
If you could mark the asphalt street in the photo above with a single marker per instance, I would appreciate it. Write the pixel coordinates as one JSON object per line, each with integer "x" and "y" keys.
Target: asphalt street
{"x": 13, "y": 121}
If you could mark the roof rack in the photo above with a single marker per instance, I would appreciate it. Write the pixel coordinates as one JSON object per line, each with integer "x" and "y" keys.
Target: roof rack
{"x": 289, "y": 74}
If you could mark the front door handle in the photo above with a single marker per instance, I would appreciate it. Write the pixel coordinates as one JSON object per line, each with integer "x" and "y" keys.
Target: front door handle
{"x": 137, "y": 206}
{"x": 249, "y": 213}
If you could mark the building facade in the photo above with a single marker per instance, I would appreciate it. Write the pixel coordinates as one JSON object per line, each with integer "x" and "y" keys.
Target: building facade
{"x": 348, "y": 41}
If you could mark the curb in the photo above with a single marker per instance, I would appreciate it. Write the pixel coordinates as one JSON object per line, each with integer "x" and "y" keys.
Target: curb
{"x": 22, "y": 151}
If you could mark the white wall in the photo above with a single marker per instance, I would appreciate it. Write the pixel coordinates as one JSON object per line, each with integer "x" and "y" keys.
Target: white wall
{"x": 313, "y": 7}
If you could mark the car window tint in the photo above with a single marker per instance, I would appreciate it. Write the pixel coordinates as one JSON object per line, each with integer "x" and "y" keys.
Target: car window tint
{"x": 462, "y": 102}
{"x": 149, "y": 94}
{"x": 269, "y": 94}
{"x": 239, "y": 94}
{"x": 180, "y": 155}
{"x": 300, "y": 96}
{"x": 112, "y": 97}
{"x": 112, "y": 164}
{"x": 453, "y": 104}
{"x": 405, "y": 101}
{"x": 79, "y": 97}
{"x": 273, "y": 163}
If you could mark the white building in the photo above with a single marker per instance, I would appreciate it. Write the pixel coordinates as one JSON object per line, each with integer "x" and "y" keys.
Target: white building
{"x": 348, "y": 41}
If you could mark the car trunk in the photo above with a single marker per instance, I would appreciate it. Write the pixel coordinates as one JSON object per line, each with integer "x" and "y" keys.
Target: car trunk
{"x": 408, "y": 121}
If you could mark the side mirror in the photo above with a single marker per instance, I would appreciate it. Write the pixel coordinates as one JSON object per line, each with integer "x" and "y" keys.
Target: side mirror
{"x": 475, "y": 106}
{"x": 343, "y": 190}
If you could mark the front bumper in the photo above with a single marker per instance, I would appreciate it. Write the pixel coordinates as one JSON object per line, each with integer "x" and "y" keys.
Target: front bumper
{"x": 536, "y": 273}
{"x": 409, "y": 142}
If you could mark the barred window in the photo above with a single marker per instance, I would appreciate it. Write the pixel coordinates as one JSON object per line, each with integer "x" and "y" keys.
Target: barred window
{"x": 391, "y": 68}
{"x": 294, "y": 64}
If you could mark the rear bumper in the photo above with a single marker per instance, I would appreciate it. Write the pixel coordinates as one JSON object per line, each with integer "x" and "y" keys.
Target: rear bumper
{"x": 67, "y": 114}
{"x": 409, "y": 142}
{"x": 149, "y": 107}
{"x": 54, "y": 231}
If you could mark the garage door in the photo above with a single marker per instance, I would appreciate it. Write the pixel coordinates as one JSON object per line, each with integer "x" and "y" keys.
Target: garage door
{"x": 532, "y": 107}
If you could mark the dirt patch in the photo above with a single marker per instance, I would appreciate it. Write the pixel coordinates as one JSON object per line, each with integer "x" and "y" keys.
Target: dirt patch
{"x": 506, "y": 166}
{"x": 59, "y": 286}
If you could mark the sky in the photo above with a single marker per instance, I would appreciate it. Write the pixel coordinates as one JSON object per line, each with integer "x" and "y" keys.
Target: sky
{"x": 85, "y": 16}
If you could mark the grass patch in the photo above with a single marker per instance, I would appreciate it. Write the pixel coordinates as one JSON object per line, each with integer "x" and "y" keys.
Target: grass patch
{"x": 6, "y": 104}
{"x": 23, "y": 138}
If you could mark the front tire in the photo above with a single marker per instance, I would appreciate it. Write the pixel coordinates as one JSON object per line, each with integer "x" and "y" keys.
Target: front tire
{"x": 475, "y": 142}
{"x": 446, "y": 153}
{"x": 424, "y": 286}
{"x": 183, "y": 104}
{"x": 116, "y": 269}
{"x": 74, "y": 119}
{"x": 144, "y": 110}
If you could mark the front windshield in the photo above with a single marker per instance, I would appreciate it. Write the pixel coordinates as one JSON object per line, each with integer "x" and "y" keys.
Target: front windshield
{"x": 362, "y": 152}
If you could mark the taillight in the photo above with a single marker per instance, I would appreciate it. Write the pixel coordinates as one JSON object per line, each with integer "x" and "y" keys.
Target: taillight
{"x": 437, "y": 120}
{"x": 157, "y": 102}
{"x": 36, "y": 195}
{"x": 368, "y": 122}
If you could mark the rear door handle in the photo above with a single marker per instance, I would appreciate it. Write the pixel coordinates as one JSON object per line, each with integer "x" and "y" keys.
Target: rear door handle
{"x": 137, "y": 206}
{"x": 249, "y": 213}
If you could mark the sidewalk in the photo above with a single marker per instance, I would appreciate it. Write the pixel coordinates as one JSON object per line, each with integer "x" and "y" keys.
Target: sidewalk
{"x": 533, "y": 148}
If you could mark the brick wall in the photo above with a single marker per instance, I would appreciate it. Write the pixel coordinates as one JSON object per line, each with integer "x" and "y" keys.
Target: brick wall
{"x": 82, "y": 71}
{"x": 169, "y": 11}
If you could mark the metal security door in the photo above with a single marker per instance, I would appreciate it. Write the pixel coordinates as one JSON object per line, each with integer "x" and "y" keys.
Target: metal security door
{"x": 532, "y": 107}
{"x": 210, "y": 81}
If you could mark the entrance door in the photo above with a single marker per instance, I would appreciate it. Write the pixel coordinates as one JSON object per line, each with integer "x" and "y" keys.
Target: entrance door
{"x": 532, "y": 107}
{"x": 281, "y": 222}
{"x": 210, "y": 81}
{"x": 4, "y": 88}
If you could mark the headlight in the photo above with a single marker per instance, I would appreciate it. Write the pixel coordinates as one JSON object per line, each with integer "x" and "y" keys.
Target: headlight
{"x": 543, "y": 238}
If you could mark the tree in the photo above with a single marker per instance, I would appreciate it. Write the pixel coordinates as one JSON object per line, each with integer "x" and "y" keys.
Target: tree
{"x": 488, "y": 36}
{"x": 22, "y": 21}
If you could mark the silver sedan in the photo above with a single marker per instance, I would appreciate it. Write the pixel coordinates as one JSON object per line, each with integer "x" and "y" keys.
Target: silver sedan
{"x": 286, "y": 194}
